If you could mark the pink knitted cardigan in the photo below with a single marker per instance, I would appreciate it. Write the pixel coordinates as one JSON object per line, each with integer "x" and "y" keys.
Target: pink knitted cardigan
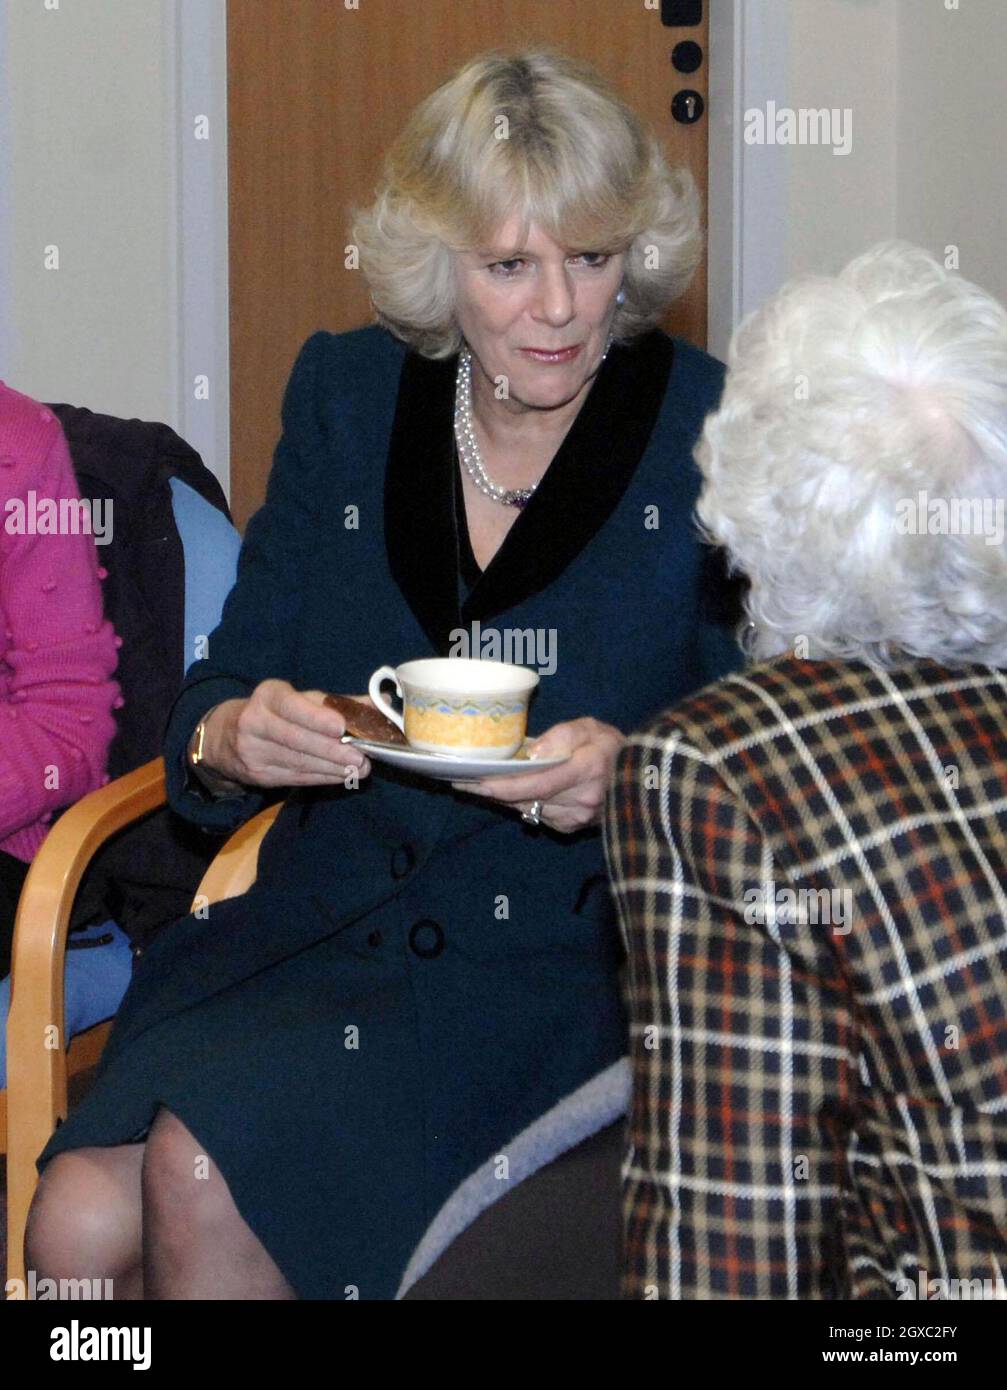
{"x": 57, "y": 653}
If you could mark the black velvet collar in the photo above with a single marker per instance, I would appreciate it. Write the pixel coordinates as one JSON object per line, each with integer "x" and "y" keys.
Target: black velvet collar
{"x": 581, "y": 488}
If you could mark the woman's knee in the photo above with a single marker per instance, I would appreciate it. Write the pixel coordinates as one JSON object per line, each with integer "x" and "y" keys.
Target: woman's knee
{"x": 180, "y": 1180}
{"x": 84, "y": 1221}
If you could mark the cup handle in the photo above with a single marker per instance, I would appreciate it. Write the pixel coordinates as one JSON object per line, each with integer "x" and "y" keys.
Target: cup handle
{"x": 386, "y": 673}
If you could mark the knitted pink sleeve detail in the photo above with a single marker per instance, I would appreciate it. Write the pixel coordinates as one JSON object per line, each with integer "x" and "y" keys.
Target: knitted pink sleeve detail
{"x": 57, "y": 652}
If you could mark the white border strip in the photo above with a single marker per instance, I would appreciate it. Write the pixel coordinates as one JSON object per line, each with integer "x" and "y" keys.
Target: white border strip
{"x": 723, "y": 175}
{"x": 748, "y": 196}
{"x": 6, "y": 211}
{"x": 196, "y": 33}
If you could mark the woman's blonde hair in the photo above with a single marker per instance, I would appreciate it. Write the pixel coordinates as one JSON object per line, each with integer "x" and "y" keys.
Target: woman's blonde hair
{"x": 541, "y": 135}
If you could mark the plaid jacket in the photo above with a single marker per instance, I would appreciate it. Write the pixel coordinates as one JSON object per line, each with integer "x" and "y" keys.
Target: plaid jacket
{"x": 810, "y": 864}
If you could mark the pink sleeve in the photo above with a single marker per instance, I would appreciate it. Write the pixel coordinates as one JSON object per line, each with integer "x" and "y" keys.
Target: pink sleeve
{"x": 57, "y": 653}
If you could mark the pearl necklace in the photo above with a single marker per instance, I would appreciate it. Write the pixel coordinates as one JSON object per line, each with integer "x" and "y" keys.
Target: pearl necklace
{"x": 468, "y": 445}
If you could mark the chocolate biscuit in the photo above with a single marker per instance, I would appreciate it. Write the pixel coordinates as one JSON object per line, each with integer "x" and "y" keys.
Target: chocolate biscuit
{"x": 364, "y": 722}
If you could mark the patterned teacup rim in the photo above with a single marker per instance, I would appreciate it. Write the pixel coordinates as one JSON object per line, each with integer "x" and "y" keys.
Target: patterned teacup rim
{"x": 456, "y": 680}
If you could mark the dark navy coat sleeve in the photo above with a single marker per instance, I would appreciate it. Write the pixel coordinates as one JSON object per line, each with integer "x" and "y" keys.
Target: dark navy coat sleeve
{"x": 254, "y": 640}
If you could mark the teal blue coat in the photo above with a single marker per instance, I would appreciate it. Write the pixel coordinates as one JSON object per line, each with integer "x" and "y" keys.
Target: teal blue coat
{"x": 476, "y": 958}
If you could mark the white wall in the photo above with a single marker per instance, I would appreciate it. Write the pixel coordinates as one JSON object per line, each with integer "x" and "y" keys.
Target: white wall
{"x": 98, "y": 104}
{"x": 952, "y": 133}
{"x": 98, "y": 100}
{"x": 91, "y": 95}
{"x": 925, "y": 87}
{"x": 842, "y": 56}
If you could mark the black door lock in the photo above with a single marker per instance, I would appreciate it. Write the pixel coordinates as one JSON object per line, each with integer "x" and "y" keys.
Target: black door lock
{"x": 687, "y": 107}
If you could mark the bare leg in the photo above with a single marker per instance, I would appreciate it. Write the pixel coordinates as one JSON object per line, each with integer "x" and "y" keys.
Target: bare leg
{"x": 85, "y": 1220}
{"x": 195, "y": 1243}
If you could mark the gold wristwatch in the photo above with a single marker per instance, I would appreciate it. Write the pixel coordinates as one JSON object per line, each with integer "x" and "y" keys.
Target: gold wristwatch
{"x": 196, "y": 742}
{"x": 213, "y": 781}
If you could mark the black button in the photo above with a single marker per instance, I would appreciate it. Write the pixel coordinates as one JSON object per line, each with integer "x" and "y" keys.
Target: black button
{"x": 427, "y": 938}
{"x": 375, "y": 938}
{"x": 403, "y": 860}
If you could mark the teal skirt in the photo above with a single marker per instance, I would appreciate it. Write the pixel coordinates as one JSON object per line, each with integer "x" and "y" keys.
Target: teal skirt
{"x": 345, "y": 1090}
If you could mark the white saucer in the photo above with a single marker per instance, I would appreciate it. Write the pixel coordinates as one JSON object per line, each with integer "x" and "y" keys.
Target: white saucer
{"x": 450, "y": 769}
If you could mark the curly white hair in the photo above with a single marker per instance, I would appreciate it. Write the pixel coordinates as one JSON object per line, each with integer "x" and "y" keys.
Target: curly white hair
{"x": 857, "y": 411}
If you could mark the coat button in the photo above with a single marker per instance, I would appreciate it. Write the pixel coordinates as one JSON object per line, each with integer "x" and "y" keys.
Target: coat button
{"x": 403, "y": 860}
{"x": 375, "y": 937}
{"x": 427, "y": 939}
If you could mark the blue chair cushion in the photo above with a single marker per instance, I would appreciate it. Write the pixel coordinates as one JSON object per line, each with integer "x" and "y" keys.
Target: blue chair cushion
{"x": 210, "y": 545}
{"x": 94, "y": 982}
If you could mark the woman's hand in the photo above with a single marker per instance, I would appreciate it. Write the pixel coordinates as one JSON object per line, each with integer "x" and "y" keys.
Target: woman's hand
{"x": 572, "y": 794}
{"x": 280, "y": 737}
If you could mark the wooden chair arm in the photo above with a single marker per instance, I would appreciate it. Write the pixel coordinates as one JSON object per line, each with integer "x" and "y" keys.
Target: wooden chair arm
{"x": 36, "y": 1049}
{"x": 43, "y": 915}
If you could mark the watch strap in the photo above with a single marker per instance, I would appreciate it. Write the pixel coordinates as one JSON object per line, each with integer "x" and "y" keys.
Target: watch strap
{"x": 215, "y": 782}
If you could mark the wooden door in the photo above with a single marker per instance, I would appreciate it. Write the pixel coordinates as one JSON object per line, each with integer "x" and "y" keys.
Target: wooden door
{"x": 317, "y": 90}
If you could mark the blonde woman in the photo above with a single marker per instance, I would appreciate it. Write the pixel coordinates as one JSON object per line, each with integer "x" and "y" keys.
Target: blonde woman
{"x": 424, "y": 978}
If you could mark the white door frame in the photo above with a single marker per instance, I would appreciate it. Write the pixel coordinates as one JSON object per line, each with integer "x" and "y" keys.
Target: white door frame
{"x": 6, "y": 212}
{"x": 195, "y": 32}
{"x": 747, "y": 184}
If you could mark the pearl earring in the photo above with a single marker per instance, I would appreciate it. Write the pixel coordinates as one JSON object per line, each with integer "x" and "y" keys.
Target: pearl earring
{"x": 621, "y": 297}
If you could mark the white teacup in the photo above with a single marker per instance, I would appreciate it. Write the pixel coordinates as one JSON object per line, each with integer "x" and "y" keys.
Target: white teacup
{"x": 459, "y": 706}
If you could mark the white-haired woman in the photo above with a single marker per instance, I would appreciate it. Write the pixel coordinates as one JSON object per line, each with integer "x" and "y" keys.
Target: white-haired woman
{"x": 422, "y": 977}
{"x": 814, "y": 883}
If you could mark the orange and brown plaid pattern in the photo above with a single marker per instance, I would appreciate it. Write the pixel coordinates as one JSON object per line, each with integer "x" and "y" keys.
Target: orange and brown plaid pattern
{"x": 810, "y": 864}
